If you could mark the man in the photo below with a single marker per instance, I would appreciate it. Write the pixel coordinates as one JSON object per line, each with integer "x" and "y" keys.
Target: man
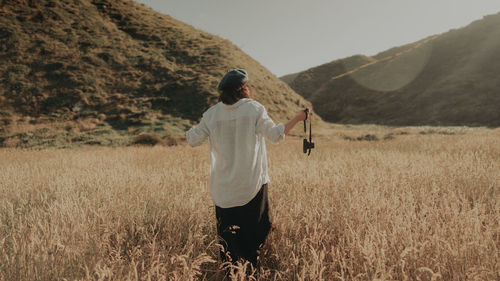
{"x": 237, "y": 127}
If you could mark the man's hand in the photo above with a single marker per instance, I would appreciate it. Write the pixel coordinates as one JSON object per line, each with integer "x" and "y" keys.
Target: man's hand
{"x": 300, "y": 116}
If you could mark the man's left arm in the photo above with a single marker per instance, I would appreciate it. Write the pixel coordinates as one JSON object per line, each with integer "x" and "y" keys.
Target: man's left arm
{"x": 197, "y": 135}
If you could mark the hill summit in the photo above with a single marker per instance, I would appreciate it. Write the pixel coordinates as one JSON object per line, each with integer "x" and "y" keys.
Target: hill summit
{"x": 104, "y": 72}
{"x": 447, "y": 79}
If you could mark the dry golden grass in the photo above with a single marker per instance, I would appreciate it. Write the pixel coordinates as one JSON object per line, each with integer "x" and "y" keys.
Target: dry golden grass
{"x": 415, "y": 207}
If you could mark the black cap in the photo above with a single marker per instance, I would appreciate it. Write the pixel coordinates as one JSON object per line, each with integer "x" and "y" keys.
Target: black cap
{"x": 233, "y": 79}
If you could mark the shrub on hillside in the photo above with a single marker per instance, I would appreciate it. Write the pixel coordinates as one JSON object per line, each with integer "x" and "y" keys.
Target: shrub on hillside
{"x": 367, "y": 137}
{"x": 146, "y": 139}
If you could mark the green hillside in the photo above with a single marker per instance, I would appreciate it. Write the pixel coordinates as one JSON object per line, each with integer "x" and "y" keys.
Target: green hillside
{"x": 107, "y": 72}
{"x": 447, "y": 79}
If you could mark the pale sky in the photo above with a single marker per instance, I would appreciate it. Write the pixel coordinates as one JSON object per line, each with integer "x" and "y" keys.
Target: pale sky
{"x": 288, "y": 36}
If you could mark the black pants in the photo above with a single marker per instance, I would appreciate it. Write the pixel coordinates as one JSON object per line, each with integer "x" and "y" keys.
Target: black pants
{"x": 243, "y": 229}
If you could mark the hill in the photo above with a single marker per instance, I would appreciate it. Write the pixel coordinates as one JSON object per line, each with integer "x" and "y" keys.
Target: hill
{"x": 447, "y": 79}
{"x": 105, "y": 72}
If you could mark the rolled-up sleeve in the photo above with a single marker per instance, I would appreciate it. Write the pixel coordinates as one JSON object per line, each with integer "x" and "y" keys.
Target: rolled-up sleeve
{"x": 266, "y": 127}
{"x": 197, "y": 135}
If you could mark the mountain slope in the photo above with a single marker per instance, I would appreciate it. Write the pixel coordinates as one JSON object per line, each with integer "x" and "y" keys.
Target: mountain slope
{"x": 77, "y": 69}
{"x": 449, "y": 79}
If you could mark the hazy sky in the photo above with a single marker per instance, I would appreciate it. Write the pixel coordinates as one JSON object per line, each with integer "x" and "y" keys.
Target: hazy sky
{"x": 288, "y": 36}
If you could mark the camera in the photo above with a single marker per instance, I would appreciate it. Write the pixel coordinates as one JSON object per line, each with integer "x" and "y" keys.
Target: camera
{"x": 307, "y": 146}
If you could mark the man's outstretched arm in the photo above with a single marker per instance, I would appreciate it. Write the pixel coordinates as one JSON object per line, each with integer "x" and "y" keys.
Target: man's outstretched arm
{"x": 301, "y": 116}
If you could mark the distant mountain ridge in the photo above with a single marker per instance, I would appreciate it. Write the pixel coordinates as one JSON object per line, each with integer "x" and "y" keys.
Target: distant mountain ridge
{"x": 447, "y": 79}
{"x": 103, "y": 72}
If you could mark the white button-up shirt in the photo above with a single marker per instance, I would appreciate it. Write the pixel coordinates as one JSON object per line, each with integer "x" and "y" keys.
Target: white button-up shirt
{"x": 238, "y": 160}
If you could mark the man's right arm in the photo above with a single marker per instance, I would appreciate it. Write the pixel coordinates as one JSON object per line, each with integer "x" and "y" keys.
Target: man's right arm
{"x": 300, "y": 116}
{"x": 276, "y": 133}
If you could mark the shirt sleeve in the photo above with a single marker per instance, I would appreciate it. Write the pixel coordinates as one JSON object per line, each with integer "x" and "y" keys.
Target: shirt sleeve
{"x": 266, "y": 127}
{"x": 197, "y": 135}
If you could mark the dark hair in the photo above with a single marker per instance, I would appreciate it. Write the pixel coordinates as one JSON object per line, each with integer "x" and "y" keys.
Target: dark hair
{"x": 232, "y": 95}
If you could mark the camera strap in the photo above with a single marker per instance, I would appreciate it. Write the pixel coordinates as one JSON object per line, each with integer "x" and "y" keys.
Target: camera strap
{"x": 308, "y": 145}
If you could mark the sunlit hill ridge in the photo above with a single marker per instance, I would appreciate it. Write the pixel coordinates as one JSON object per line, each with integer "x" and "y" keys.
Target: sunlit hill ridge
{"x": 447, "y": 79}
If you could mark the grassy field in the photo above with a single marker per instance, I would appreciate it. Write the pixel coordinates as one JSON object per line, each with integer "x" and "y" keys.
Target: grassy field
{"x": 403, "y": 204}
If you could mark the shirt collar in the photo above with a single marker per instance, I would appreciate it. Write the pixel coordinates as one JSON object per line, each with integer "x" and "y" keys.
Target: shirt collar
{"x": 236, "y": 104}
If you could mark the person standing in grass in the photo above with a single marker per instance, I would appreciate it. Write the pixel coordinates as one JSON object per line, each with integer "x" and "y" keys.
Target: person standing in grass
{"x": 237, "y": 127}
